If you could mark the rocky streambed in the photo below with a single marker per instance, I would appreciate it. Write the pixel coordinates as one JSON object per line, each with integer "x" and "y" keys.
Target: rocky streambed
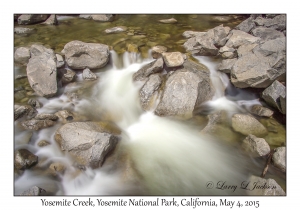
{"x": 150, "y": 104}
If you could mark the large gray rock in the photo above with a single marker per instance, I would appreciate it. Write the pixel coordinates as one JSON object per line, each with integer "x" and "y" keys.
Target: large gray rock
{"x": 257, "y": 186}
{"x": 34, "y": 191}
{"x": 81, "y": 55}
{"x": 148, "y": 91}
{"x": 207, "y": 43}
{"x": 155, "y": 66}
{"x": 45, "y": 116}
{"x": 173, "y": 59}
{"x": 31, "y": 19}
{"x": 185, "y": 89}
{"x": 256, "y": 147}
{"x": 261, "y": 111}
{"x": 266, "y": 34}
{"x": 88, "y": 142}
{"x": 237, "y": 38}
{"x": 116, "y": 29}
{"x": 21, "y": 111}
{"x": 245, "y": 49}
{"x": 22, "y": 55}
{"x": 101, "y": 18}
{"x": 261, "y": 66}
{"x": 273, "y": 93}
{"x": 41, "y": 71}
{"x": 226, "y": 65}
{"x": 247, "y": 124}
{"x": 24, "y": 159}
{"x": 278, "y": 22}
{"x": 171, "y": 20}
{"x": 279, "y": 158}
{"x": 247, "y": 25}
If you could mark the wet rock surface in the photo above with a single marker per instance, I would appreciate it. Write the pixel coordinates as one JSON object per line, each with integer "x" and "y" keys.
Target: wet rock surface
{"x": 24, "y": 159}
{"x": 88, "y": 142}
{"x": 279, "y": 158}
{"x": 256, "y": 147}
{"x": 34, "y": 191}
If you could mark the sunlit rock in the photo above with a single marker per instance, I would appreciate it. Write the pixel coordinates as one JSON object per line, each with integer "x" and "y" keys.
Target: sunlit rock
{"x": 173, "y": 59}
{"x": 81, "y": 55}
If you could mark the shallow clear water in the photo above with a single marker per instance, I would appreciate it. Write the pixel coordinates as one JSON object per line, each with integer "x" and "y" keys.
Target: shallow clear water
{"x": 157, "y": 155}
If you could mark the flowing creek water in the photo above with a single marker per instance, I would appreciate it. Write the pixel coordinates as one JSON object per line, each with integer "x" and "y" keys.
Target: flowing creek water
{"x": 169, "y": 156}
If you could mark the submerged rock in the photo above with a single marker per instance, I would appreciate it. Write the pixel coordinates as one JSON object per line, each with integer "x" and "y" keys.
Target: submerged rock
{"x": 247, "y": 124}
{"x": 101, "y": 18}
{"x": 116, "y": 29}
{"x": 34, "y": 191}
{"x": 88, "y": 142}
{"x": 43, "y": 143}
{"x": 256, "y": 147}
{"x": 279, "y": 158}
{"x": 273, "y": 93}
{"x": 24, "y": 31}
{"x": 41, "y": 71}
{"x": 171, "y": 20}
{"x": 81, "y": 55}
{"x": 24, "y": 159}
